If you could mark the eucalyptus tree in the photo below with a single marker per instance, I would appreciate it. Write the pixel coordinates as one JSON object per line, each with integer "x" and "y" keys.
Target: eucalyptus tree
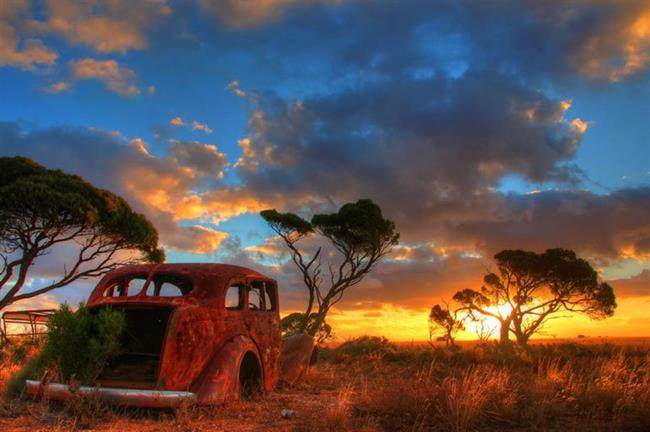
{"x": 446, "y": 321}
{"x": 531, "y": 288}
{"x": 360, "y": 236}
{"x": 41, "y": 209}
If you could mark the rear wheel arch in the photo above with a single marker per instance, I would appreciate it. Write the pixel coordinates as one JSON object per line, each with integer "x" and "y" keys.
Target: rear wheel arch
{"x": 250, "y": 375}
{"x": 220, "y": 380}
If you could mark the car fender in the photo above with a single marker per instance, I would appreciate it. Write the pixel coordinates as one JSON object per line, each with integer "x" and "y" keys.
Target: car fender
{"x": 220, "y": 379}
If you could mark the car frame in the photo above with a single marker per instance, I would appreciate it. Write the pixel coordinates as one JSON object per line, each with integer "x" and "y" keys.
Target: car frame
{"x": 211, "y": 350}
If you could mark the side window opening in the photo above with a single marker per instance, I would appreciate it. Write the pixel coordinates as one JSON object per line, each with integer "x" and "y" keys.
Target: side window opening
{"x": 256, "y": 296}
{"x": 169, "y": 285}
{"x": 136, "y": 284}
{"x": 234, "y": 297}
{"x": 126, "y": 286}
{"x": 269, "y": 296}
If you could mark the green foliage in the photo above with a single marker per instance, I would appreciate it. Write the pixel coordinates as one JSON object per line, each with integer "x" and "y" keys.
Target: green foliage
{"x": 57, "y": 200}
{"x": 365, "y": 345}
{"x": 286, "y": 222}
{"x": 81, "y": 343}
{"x": 358, "y": 232}
{"x": 42, "y": 208}
{"x": 292, "y": 325}
{"x": 358, "y": 226}
{"x": 78, "y": 344}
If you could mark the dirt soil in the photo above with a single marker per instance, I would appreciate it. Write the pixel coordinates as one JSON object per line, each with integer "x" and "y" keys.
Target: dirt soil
{"x": 262, "y": 414}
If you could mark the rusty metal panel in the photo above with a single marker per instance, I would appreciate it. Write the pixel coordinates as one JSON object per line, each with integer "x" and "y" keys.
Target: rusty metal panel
{"x": 296, "y": 354}
{"x": 36, "y": 319}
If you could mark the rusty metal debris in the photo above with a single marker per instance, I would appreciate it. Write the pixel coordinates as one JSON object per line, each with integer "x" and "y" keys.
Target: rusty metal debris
{"x": 121, "y": 396}
{"x": 34, "y": 320}
{"x": 296, "y": 355}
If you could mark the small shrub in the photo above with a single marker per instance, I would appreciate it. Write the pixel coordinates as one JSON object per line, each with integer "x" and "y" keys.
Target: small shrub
{"x": 81, "y": 343}
{"x": 366, "y": 345}
{"x": 78, "y": 344}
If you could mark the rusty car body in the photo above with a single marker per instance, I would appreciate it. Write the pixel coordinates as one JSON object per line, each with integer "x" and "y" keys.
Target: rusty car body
{"x": 197, "y": 333}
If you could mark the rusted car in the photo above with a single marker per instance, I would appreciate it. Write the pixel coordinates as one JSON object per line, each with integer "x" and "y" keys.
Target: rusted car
{"x": 196, "y": 333}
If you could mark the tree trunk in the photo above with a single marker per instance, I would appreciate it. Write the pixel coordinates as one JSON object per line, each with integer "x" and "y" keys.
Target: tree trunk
{"x": 305, "y": 319}
{"x": 320, "y": 319}
{"x": 26, "y": 262}
{"x": 504, "y": 333}
{"x": 522, "y": 340}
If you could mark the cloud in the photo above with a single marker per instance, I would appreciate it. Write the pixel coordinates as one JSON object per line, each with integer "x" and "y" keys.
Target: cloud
{"x": 194, "y": 124}
{"x": 423, "y": 280}
{"x": 176, "y": 121}
{"x": 203, "y": 160}
{"x": 433, "y": 155}
{"x": 219, "y": 204}
{"x": 119, "y": 79}
{"x": 249, "y": 13}
{"x": 272, "y": 247}
{"x": 612, "y": 40}
{"x": 233, "y": 87}
{"x": 610, "y": 226}
{"x": 201, "y": 126}
{"x": 106, "y": 27}
{"x": 197, "y": 238}
{"x": 159, "y": 187}
{"x": 542, "y": 43}
{"x": 635, "y": 286}
{"x": 442, "y": 145}
{"x": 58, "y": 87}
{"x": 17, "y": 48}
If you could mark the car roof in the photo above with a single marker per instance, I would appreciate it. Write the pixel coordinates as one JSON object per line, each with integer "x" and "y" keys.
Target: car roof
{"x": 196, "y": 271}
{"x": 227, "y": 270}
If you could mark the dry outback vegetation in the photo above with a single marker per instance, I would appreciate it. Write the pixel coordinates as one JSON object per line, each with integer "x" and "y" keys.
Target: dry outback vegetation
{"x": 370, "y": 384}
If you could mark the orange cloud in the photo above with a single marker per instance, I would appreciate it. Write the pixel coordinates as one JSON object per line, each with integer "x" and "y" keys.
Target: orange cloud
{"x": 57, "y": 87}
{"x": 203, "y": 160}
{"x": 273, "y": 246}
{"x": 218, "y": 205}
{"x": 177, "y": 121}
{"x": 116, "y": 78}
{"x": 619, "y": 50}
{"x": 206, "y": 239}
{"x": 201, "y": 126}
{"x": 234, "y": 88}
{"x": 249, "y": 13}
{"x": 32, "y": 52}
{"x": 115, "y": 26}
{"x": 195, "y": 125}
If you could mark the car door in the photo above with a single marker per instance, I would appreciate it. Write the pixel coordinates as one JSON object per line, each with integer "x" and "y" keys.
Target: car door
{"x": 262, "y": 314}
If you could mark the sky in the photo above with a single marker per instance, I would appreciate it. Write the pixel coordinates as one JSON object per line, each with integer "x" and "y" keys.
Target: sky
{"x": 477, "y": 126}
